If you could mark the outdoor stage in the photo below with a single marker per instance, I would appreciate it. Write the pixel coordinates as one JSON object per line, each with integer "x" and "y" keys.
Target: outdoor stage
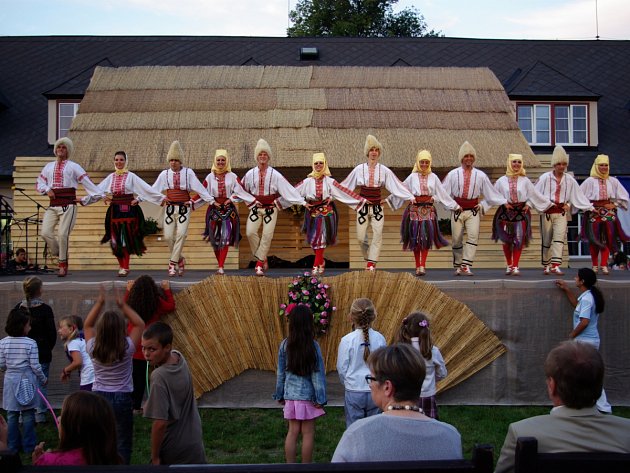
{"x": 528, "y": 315}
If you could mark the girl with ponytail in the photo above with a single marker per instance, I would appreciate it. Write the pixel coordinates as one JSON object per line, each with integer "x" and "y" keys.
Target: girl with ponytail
{"x": 353, "y": 353}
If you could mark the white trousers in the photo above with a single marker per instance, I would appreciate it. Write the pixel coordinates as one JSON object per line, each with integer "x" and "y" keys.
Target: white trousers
{"x": 370, "y": 250}
{"x": 260, "y": 244}
{"x": 58, "y": 244}
{"x": 464, "y": 253}
{"x": 553, "y": 231}
{"x": 175, "y": 232}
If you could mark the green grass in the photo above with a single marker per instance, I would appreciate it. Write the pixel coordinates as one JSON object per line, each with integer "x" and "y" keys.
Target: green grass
{"x": 257, "y": 435}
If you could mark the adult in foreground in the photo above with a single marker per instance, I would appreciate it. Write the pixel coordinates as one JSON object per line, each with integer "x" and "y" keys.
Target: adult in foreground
{"x": 602, "y": 228}
{"x": 575, "y": 373}
{"x": 267, "y": 185}
{"x": 124, "y": 220}
{"x": 59, "y": 181}
{"x": 370, "y": 177}
{"x": 466, "y": 184}
{"x": 564, "y": 192}
{"x": 402, "y": 432}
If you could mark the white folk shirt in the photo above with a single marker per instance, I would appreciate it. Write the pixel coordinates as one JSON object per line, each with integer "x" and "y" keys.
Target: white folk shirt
{"x": 567, "y": 191}
{"x": 185, "y": 179}
{"x": 426, "y": 185}
{"x": 479, "y": 185}
{"x": 594, "y": 189}
{"x": 230, "y": 188}
{"x": 127, "y": 183}
{"x": 328, "y": 188}
{"x": 271, "y": 182}
{"x": 64, "y": 174}
{"x": 381, "y": 176}
{"x": 524, "y": 192}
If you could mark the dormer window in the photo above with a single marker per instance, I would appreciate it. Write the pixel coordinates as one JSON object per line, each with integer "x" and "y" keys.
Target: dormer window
{"x": 549, "y": 124}
{"x": 66, "y": 111}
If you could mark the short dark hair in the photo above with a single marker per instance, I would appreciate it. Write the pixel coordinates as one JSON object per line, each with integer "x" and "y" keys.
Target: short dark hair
{"x": 160, "y": 331}
{"x": 16, "y": 321}
{"x": 19, "y": 251}
{"x": 403, "y": 366}
{"x": 578, "y": 371}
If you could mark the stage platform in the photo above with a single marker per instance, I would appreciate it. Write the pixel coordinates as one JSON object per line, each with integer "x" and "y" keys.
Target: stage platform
{"x": 528, "y": 314}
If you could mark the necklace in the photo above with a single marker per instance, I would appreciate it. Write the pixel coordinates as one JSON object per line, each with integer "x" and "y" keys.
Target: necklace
{"x": 406, "y": 407}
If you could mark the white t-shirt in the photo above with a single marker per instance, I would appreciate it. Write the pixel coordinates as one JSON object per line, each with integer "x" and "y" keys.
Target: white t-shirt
{"x": 87, "y": 370}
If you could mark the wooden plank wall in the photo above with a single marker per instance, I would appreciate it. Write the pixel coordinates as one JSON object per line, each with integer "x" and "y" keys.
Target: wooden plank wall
{"x": 86, "y": 252}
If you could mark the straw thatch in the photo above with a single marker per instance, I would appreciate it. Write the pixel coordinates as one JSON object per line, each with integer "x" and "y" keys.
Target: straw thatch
{"x": 299, "y": 111}
{"x": 226, "y": 325}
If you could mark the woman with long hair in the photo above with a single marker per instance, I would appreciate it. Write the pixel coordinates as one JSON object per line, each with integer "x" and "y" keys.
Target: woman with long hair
{"x": 87, "y": 434}
{"x": 589, "y": 305}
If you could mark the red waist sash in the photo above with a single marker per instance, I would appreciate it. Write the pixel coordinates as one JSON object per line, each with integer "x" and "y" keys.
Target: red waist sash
{"x": 177, "y": 196}
{"x": 267, "y": 200}
{"x": 467, "y": 204}
{"x": 371, "y": 194}
{"x": 64, "y": 196}
{"x": 423, "y": 200}
{"x": 122, "y": 199}
{"x": 600, "y": 203}
{"x": 556, "y": 209}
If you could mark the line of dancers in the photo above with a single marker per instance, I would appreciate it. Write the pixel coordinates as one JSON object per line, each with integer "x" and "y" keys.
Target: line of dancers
{"x": 466, "y": 192}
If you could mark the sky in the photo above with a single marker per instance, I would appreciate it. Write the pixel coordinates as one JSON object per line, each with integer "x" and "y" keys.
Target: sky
{"x": 507, "y": 19}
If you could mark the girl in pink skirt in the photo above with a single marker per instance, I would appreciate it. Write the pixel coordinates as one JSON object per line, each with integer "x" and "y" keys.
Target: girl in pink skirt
{"x": 301, "y": 383}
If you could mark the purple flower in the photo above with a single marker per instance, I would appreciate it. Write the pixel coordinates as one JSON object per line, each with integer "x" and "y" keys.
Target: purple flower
{"x": 326, "y": 286}
{"x": 305, "y": 292}
{"x": 314, "y": 281}
{"x": 323, "y": 314}
{"x": 318, "y": 296}
{"x": 334, "y": 308}
{"x": 294, "y": 297}
{"x": 327, "y": 304}
{"x": 323, "y": 321}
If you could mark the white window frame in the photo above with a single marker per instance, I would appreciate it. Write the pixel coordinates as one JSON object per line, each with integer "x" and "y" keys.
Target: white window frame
{"x": 537, "y": 109}
{"x": 571, "y": 130}
{"x": 64, "y": 132}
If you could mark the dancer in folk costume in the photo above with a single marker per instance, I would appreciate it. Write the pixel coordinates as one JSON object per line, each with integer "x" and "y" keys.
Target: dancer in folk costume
{"x": 565, "y": 194}
{"x": 466, "y": 184}
{"x": 124, "y": 220}
{"x": 178, "y": 181}
{"x": 59, "y": 180}
{"x": 370, "y": 177}
{"x": 601, "y": 227}
{"x": 513, "y": 221}
{"x": 320, "y": 217}
{"x": 419, "y": 229}
{"x": 223, "y": 225}
{"x": 267, "y": 185}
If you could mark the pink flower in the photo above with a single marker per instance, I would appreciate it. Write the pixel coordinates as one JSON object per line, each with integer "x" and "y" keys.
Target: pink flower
{"x": 325, "y": 305}
{"x": 318, "y": 296}
{"x": 305, "y": 292}
{"x": 334, "y": 308}
{"x": 283, "y": 306}
{"x": 314, "y": 281}
{"x": 323, "y": 321}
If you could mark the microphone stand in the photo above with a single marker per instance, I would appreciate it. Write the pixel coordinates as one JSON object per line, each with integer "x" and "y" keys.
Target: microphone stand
{"x": 6, "y": 214}
{"x": 37, "y": 221}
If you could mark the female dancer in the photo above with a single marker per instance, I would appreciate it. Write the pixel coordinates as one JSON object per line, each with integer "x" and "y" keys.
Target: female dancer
{"x": 320, "y": 217}
{"x": 513, "y": 221}
{"x": 222, "y": 221}
{"x": 589, "y": 305}
{"x": 419, "y": 229}
{"x": 601, "y": 228}
{"x": 124, "y": 221}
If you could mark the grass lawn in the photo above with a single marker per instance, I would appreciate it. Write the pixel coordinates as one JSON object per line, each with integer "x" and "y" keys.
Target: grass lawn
{"x": 257, "y": 435}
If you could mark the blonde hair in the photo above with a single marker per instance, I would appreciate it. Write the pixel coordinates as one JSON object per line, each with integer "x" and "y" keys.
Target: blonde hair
{"x": 31, "y": 286}
{"x": 417, "y": 324}
{"x": 363, "y": 313}
{"x": 70, "y": 321}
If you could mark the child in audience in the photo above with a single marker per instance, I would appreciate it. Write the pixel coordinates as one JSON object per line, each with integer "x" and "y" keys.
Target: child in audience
{"x": 111, "y": 351}
{"x": 151, "y": 303}
{"x": 19, "y": 358}
{"x": 76, "y": 351}
{"x": 353, "y": 352}
{"x": 415, "y": 330}
{"x": 301, "y": 383}
{"x": 87, "y": 434}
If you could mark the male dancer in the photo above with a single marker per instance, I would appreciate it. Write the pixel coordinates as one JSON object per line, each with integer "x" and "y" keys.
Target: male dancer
{"x": 563, "y": 190}
{"x": 466, "y": 184}
{"x": 59, "y": 180}
{"x": 178, "y": 181}
{"x": 267, "y": 185}
{"x": 370, "y": 177}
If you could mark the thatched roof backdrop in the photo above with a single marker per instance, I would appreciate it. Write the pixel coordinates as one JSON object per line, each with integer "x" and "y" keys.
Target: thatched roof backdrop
{"x": 299, "y": 111}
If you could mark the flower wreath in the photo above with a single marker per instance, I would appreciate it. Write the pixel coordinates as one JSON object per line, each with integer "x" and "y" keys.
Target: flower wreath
{"x": 307, "y": 289}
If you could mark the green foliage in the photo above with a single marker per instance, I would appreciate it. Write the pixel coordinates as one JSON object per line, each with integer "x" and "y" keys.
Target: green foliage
{"x": 363, "y": 18}
{"x": 150, "y": 226}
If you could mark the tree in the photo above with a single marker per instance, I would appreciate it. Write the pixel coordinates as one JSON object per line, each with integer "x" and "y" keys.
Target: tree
{"x": 375, "y": 18}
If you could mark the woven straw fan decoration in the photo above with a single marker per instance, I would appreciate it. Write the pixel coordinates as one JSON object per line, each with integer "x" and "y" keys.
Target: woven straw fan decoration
{"x": 226, "y": 325}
